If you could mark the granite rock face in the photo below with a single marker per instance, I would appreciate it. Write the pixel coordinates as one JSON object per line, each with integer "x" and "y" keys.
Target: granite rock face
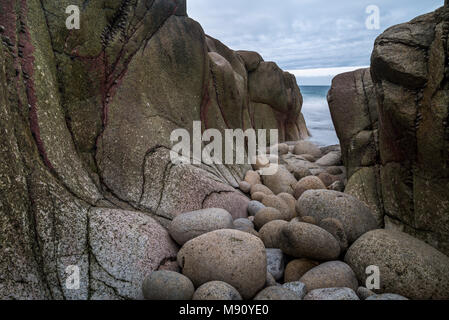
{"x": 85, "y": 122}
{"x": 393, "y": 123}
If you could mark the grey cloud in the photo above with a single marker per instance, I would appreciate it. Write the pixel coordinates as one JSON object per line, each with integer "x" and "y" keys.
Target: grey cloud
{"x": 300, "y": 34}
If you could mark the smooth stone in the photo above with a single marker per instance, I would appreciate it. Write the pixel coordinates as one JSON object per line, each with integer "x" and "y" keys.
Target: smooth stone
{"x": 167, "y": 285}
{"x": 332, "y": 294}
{"x": 252, "y": 232}
{"x": 254, "y": 207}
{"x": 303, "y": 240}
{"x": 309, "y": 220}
{"x": 300, "y": 173}
{"x": 408, "y": 266}
{"x": 308, "y": 157}
{"x": 243, "y": 224}
{"x": 355, "y": 216}
{"x": 326, "y": 178}
{"x": 258, "y": 196}
{"x": 334, "y": 170}
{"x": 386, "y": 296}
{"x": 188, "y": 226}
{"x": 231, "y": 256}
{"x": 298, "y": 287}
{"x": 245, "y": 187}
{"x": 335, "y": 228}
{"x": 333, "y": 274}
{"x": 331, "y": 159}
{"x": 277, "y": 293}
{"x": 291, "y": 202}
{"x": 279, "y": 149}
{"x": 308, "y": 183}
{"x": 337, "y": 186}
{"x": 297, "y": 268}
{"x": 280, "y": 182}
{"x": 307, "y": 147}
{"x": 279, "y": 204}
{"x": 270, "y": 233}
{"x": 333, "y": 148}
{"x": 275, "y": 263}
{"x": 266, "y": 215}
{"x": 364, "y": 293}
{"x": 261, "y": 162}
{"x": 261, "y": 188}
{"x": 217, "y": 291}
{"x": 252, "y": 177}
{"x": 271, "y": 281}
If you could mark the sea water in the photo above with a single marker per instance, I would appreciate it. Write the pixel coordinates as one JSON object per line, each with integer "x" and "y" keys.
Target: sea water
{"x": 317, "y": 115}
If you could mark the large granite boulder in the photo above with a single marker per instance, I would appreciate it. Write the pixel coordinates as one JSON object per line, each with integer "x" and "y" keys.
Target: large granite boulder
{"x": 408, "y": 266}
{"x": 231, "y": 256}
{"x": 392, "y": 121}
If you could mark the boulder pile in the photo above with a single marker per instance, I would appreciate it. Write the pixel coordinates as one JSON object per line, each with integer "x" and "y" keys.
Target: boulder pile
{"x": 317, "y": 246}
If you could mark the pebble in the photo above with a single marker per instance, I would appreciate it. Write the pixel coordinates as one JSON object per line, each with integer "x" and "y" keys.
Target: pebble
{"x": 297, "y": 268}
{"x": 254, "y": 207}
{"x": 303, "y": 240}
{"x": 332, "y": 294}
{"x": 231, "y": 256}
{"x": 279, "y": 204}
{"x": 330, "y": 275}
{"x": 364, "y": 293}
{"x": 266, "y": 215}
{"x": 243, "y": 224}
{"x": 253, "y": 178}
{"x": 308, "y": 183}
{"x": 270, "y": 233}
{"x": 275, "y": 263}
{"x": 258, "y": 196}
{"x": 355, "y": 216}
{"x": 386, "y": 296}
{"x": 188, "y": 226}
{"x": 245, "y": 187}
{"x": 167, "y": 285}
{"x": 216, "y": 291}
{"x": 297, "y": 287}
{"x": 277, "y": 293}
{"x": 261, "y": 188}
{"x": 335, "y": 228}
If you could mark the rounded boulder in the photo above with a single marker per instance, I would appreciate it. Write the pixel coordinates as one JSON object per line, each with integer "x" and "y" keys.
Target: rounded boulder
{"x": 297, "y": 268}
{"x": 408, "y": 266}
{"x": 216, "y": 291}
{"x": 355, "y": 216}
{"x": 331, "y": 274}
{"x": 167, "y": 285}
{"x": 303, "y": 240}
{"x": 188, "y": 226}
{"x": 278, "y": 294}
{"x": 271, "y": 232}
{"x": 231, "y": 256}
{"x": 308, "y": 183}
{"x": 265, "y": 216}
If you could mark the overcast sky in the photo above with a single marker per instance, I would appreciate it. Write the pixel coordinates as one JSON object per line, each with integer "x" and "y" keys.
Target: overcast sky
{"x": 327, "y": 35}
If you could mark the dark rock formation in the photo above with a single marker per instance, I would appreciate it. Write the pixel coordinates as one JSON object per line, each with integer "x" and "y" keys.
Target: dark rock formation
{"x": 85, "y": 121}
{"x": 393, "y": 124}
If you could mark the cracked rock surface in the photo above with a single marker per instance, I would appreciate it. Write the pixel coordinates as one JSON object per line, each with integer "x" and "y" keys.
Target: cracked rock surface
{"x": 85, "y": 120}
